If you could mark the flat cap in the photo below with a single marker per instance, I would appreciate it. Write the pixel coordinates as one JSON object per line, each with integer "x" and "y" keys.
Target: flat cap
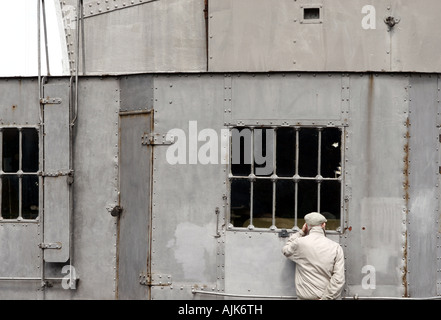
{"x": 314, "y": 219}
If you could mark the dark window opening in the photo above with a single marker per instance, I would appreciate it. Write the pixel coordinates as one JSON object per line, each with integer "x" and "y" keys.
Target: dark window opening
{"x": 263, "y": 152}
{"x": 262, "y": 203}
{"x": 30, "y": 188}
{"x": 307, "y": 197}
{"x": 308, "y": 152}
{"x": 285, "y": 204}
{"x": 311, "y": 13}
{"x": 285, "y": 152}
{"x": 10, "y": 200}
{"x": 30, "y": 150}
{"x": 10, "y": 150}
{"x": 302, "y": 174}
{"x": 19, "y": 187}
{"x": 331, "y": 153}
{"x": 240, "y": 202}
{"x": 241, "y": 151}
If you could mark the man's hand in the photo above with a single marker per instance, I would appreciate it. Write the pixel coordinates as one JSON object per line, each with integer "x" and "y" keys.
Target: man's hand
{"x": 305, "y": 229}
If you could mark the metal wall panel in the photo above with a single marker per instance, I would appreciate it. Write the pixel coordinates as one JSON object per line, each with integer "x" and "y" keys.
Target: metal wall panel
{"x": 285, "y": 99}
{"x": 136, "y": 93}
{"x": 255, "y": 265}
{"x": 391, "y": 182}
{"x": 423, "y": 198}
{"x": 375, "y": 164}
{"x": 415, "y": 39}
{"x": 19, "y": 101}
{"x": 96, "y": 141}
{"x": 153, "y": 36}
{"x": 56, "y": 168}
{"x": 249, "y": 35}
{"x": 185, "y": 196}
{"x": 20, "y": 242}
{"x": 20, "y": 258}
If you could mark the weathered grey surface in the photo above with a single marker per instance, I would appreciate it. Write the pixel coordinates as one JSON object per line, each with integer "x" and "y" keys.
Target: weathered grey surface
{"x": 423, "y": 205}
{"x": 375, "y": 181}
{"x": 390, "y": 213}
{"x": 250, "y": 35}
{"x": 152, "y": 36}
{"x": 185, "y": 196}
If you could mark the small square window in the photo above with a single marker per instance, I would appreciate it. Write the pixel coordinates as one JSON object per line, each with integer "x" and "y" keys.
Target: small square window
{"x": 311, "y": 13}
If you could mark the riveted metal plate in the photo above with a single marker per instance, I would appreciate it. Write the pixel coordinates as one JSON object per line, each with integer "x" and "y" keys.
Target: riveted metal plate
{"x": 155, "y": 279}
{"x": 93, "y": 8}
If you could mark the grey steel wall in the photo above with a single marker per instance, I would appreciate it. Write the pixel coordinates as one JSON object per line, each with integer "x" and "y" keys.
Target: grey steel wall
{"x": 387, "y": 216}
{"x": 122, "y": 37}
{"x": 249, "y": 35}
{"x": 238, "y": 65}
{"x": 177, "y": 242}
{"x": 92, "y": 229}
{"x": 423, "y": 232}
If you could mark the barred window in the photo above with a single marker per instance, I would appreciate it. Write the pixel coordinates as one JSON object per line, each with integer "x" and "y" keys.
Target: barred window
{"x": 19, "y": 179}
{"x": 278, "y": 175}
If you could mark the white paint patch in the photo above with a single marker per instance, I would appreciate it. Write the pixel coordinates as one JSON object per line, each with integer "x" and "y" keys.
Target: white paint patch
{"x": 191, "y": 244}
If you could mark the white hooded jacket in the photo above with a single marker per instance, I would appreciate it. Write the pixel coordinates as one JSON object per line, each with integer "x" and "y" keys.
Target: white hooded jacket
{"x": 319, "y": 265}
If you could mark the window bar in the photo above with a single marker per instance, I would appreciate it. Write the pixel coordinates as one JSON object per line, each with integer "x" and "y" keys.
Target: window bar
{"x": 296, "y": 175}
{"x": 342, "y": 170}
{"x": 252, "y": 179}
{"x": 319, "y": 163}
{"x": 274, "y": 178}
{"x": 20, "y": 172}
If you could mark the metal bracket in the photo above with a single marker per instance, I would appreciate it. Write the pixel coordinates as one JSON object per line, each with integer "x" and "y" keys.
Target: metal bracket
{"x": 115, "y": 211}
{"x": 51, "y": 100}
{"x": 51, "y": 245}
{"x": 391, "y": 21}
{"x": 157, "y": 139}
{"x": 283, "y": 233}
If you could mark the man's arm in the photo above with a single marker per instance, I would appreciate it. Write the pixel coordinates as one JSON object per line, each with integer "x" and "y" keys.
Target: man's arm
{"x": 289, "y": 247}
{"x": 335, "y": 287}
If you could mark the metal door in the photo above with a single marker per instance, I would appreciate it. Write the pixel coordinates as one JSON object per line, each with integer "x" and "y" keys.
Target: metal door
{"x": 135, "y": 216}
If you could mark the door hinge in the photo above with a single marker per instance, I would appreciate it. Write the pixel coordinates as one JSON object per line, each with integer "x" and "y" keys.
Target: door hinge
{"x": 155, "y": 279}
{"x": 50, "y": 100}
{"x": 51, "y": 245}
{"x": 157, "y": 139}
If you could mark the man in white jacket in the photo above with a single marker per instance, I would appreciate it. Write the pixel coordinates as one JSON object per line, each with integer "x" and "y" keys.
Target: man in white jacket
{"x": 319, "y": 261}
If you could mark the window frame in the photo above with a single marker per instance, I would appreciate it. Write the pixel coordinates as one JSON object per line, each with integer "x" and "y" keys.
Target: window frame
{"x": 20, "y": 174}
{"x": 296, "y": 178}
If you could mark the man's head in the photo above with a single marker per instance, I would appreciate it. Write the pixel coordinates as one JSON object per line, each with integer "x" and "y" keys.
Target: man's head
{"x": 315, "y": 219}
